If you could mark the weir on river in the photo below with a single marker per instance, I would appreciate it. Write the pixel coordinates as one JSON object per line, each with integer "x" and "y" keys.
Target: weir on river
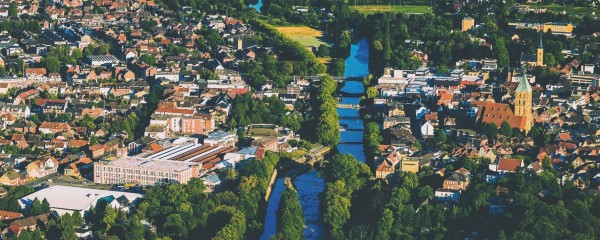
{"x": 310, "y": 184}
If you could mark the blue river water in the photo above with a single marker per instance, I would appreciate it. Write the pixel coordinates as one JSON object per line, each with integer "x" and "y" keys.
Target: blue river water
{"x": 357, "y": 66}
{"x": 256, "y": 6}
{"x": 271, "y": 215}
{"x": 310, "y": 184}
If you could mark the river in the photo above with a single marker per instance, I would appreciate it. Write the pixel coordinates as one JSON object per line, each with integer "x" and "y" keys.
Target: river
{"x": 310, "y": 184}
{"x": 357, "y": 67}
{"x": 256, "y": 6}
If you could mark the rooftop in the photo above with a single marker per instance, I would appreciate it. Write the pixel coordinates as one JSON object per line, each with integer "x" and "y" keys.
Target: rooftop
{"x": 65, "y": 199}
{"x": 151, "y": 164}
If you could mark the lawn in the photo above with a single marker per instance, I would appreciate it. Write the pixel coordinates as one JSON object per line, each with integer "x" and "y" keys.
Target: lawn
{"x": 409, "y": 9}
{"x": 306, "y": 36}
{"x": 324, "y": 60}
{"x": 570, "y": 10}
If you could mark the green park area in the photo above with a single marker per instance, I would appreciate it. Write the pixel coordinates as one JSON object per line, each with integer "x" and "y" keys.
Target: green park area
{"x": 306, "y": 36}
{"x": 408, "y": 9}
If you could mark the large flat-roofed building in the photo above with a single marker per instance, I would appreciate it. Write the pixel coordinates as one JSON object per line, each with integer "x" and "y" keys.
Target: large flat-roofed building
{"x": 221, "y": 139}
{"x": 206, "y": 155}
{"x": 65, "y": 199}
{"x": 582, "y": 78}
{"x": 99, "y": 60}
{"x": 144, "y": 171}
{"x": 557, "y": 28}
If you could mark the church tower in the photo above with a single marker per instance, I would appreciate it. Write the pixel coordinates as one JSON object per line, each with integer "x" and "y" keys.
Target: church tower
{"x": 524, "y": 102}
{"x": 540, "y": 53}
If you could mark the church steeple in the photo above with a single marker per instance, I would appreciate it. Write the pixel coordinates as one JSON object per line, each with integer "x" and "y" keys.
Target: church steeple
{"x": 524, "y": 102}
{"x": 524, "y": 85}
{"x": 540, "y": 53}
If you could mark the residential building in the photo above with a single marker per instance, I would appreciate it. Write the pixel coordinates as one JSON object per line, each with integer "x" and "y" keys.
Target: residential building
{"x": 447, "y": 195}
{"x": 13, "y": 178}
{"x": 409, "y": 165}
{"x": 42, "y": 168}
{"x": 467, "y": 24}
{"x": 26, "y": 224}
{"x": 54, "y": 127}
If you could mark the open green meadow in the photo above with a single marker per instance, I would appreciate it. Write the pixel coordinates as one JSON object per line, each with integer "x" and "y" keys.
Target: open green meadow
{"x": 408, "y": 9}
{"x": 306, "y": 36}
{"x": 569, "y": 10}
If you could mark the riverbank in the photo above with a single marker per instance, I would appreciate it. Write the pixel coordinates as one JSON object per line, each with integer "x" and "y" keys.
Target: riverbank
{"x": 292, "y": 169}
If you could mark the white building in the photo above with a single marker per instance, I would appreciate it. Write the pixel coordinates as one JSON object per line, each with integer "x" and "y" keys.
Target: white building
{"x": 64, "y": 199}
{"x": 427, "y": 129}
{"x": 221, "y": 139}
{"x": 447, "y": 195}
{"x": 100, "y": 60}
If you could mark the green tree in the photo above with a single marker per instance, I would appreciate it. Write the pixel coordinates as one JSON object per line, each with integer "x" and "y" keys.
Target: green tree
{"x": 175, "y": 226}
{"x": 336, "y": 214}
{"x": 337, "y": 66}
{"x": 490, "y": 130}
{"x": 290, "y": 219}
{"x": 148, "y": 59}
{"x": 506, "y": 129}
{"x": 387, "y": 43}
{"x": 13, "y": 10}
{"x": 77, "y": 219}
{"x": 502, "y": 52}
{"x": 409, "y": 180}
{"x": 426, "y": 192}
{"x": 440, "y": 136}
{"x": 372, "y": 92}
{"x": 327, "y": 125}
{"x": 384, "y": 225}
{"x": 36, "y": 208}
{"x": 372, "y": 139}
{"x": 135, "y": 229}
{"x": 323, "y": 51}
{"x": 52, "y": 64}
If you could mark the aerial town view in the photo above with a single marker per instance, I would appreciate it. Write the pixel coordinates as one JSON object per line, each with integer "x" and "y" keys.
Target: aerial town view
{"x": 299, "y": 119}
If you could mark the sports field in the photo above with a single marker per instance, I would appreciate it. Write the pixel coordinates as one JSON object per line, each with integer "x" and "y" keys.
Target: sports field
{"x": 569, "y": 10}
{"x": 306, "y": 36}
{"x": 409, "y": 9}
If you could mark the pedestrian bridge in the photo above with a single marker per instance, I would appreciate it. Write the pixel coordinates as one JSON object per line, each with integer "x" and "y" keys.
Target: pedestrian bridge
{"x": 345, "y": 105}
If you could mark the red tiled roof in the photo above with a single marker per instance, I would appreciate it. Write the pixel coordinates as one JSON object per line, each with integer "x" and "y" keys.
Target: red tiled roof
{"x": 41, "y": 102}
{"x": 565, "y": 136}
{"x": 35, "y": 71}
{"x": 55, "y": 125}
{"x": 510, "y": 165}
{"x": 175, "y": 110}
{"x": 6, "y": 215}
{"x": 78, "y": 143}
{"x": 85, "y": 160}
{"x": 499, "y": 112}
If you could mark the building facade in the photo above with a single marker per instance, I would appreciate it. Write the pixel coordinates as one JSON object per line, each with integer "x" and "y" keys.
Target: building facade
{"x": 467, "y": 24}
{"x": 144, "y": 171}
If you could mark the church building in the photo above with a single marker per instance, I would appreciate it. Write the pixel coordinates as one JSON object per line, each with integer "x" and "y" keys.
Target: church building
{"x": 520, "y": 117}
{"x": 534, "y": 60}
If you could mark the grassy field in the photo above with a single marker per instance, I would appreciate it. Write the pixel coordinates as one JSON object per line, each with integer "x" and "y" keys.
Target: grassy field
{"x": 324, "y": 60}
{"x": 304, "y": 35}
{"x": 570, "y": 10}
{"x": 410, "y": 9}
